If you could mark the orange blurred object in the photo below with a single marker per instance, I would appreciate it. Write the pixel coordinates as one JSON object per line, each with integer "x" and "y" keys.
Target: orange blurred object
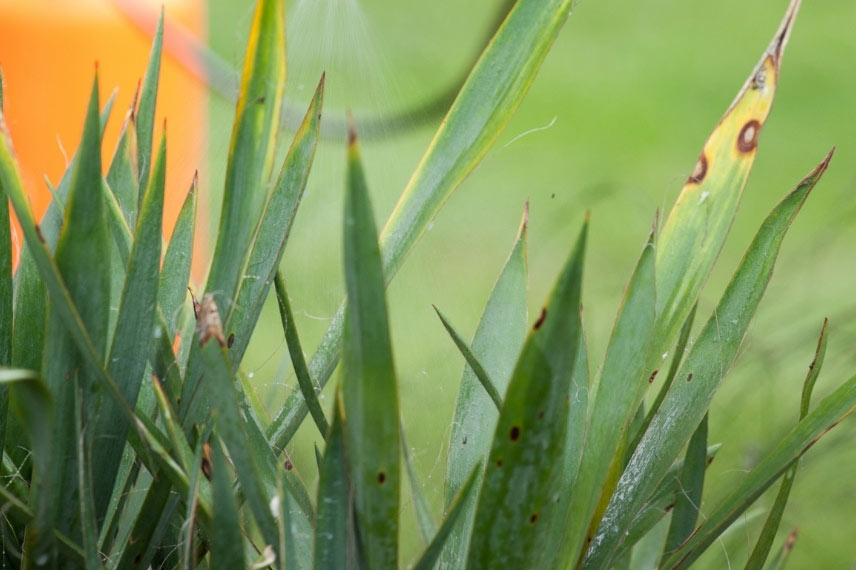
{"x": 48, "y": 51}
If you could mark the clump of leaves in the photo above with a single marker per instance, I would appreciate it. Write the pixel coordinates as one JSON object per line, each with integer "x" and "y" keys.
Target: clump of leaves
{"x": 128, "y": 439}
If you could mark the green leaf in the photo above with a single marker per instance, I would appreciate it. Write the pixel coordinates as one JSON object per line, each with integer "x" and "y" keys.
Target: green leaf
{"x": 711, "y": 355}
{"x": 237, "y": 425}
{"x": 455, "y": 511}
{"x": 6, "y": 294}
{"x": 226, "y": 540}
{"x": 145, "y": 119}
{"x": 192, "y": 500}
{"x": 307, "y": 387}
{"x": 659, "y": 504}
{"x": 623, "y": 382}
{"x": 83, "y": 238}
{"x": 123, "y": 175}
{"x": 334, "y": 499}
{"x": 832, "y": 410}
{"x": 251, "y": 149}
{"x": 133, "y": 337}
{"x": 89, "y": 527}
{"x": 484, "y": 105}
{"x": 531, "y": 430}
{"x": 84, "y": 235}
{"x": 31, "y": 402}
{"x": 369, "y": 393}
{"x": 771, "y": 525}
{"x": 175, "y": 273}
{"x": 275, "y": 226}
{"x": 677, "y": 359}
{"x": 554, "y": 514}
{"x": 688, "y": 501}
{"x": 424, "y": 518}
{"x": 695, "y": 230}
{"x": 497, "y": 342}
{"x": 472, "y": 362}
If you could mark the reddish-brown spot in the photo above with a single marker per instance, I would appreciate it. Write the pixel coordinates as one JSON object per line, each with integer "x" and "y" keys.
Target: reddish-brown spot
{"x": 669, "y": 508}
{"x": 541, "y": 318}
{"x": 653, "y": 375}
{"x": 381, "y": 478}
{"x": 206, "y": 460}
{"x": 700, "y": 170}
{"x": 541, "y": 415}
{"x": 710, "y": 460}
{"x": 288, "y": 465}
{"x": 499, "y": 462}
{"x": 231, "y": 340}
{"x": 206, "y": 468}
{"x": 515, "y": 433}
{"x": 534, "y": 518}
{"x": 747, "y": 140}
{"x": 690, "y": 377}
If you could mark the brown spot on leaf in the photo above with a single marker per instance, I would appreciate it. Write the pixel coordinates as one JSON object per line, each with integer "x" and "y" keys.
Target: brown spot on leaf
{"x": 288, "y": 465}
{"x": 499, "y": 462}
{"x": 206, "y": 461}
{"x": 669, "y": 508}
{"x": 230, "y": 341}
{"x": 541, "y": 318}
{"x": 541, "y": 415}
{"x": 690, "y": 377}
{"x": 465, "y": 441}
{"x": 381, "y": 478}
{"x": 747, "y": 140}
{"x": 514, "y": 435}
{"x": 206, "y": 468}
{"x": 534, "y": 518}
{"x": 700, "y": 170}
{"x": 652, "y": 376}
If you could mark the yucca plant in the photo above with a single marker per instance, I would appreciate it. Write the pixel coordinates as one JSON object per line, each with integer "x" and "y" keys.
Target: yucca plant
{"x": 129, "y": 440}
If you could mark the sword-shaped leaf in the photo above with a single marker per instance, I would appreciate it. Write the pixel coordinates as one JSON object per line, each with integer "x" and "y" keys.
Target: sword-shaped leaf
{"x": 827, "y": 415}
{"x": 495, "y": 347}
{"x": 145, "y": 118}
{"x": 251, "y": 149}
{"x": 334, "y": 499}
{"x": 175, "y": 273}
{"x": 369, "y": 392}
{"x": 687, "y": 402}
{"x": 483, "y": 107}
{"x": 133, "y": 336}
{"x": 531, "y": 430}
{"x": 695, "y": 230}
{"x": 622, "y": 386}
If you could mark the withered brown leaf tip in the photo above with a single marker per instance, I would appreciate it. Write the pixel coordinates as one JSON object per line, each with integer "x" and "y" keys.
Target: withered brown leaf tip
{"x": 208, "y": 323}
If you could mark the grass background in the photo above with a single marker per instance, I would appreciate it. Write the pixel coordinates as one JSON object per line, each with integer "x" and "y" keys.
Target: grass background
{"x": 630, "y": 91}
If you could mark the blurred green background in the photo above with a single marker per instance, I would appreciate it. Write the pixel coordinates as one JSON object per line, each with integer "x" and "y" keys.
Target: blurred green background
{"x": 629, "y": 94}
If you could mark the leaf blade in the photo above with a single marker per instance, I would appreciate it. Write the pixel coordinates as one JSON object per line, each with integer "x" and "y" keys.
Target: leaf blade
{"x": 711, "y": 355}
{"x": 369, "y": 392}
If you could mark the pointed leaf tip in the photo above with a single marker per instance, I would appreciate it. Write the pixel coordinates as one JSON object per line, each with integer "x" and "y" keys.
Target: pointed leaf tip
{"x": 777, "y": 46}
